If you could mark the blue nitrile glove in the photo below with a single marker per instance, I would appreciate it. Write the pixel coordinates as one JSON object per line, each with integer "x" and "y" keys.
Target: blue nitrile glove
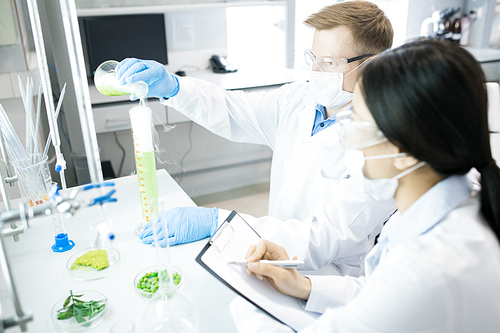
{"x": 184, "y": 224}
{"x": 160, "y": 82}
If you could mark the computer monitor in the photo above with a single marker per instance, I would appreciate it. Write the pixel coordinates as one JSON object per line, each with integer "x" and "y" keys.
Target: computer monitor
{"x": 117, "y": 37}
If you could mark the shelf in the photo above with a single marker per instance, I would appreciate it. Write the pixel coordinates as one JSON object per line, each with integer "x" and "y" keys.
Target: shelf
{"x": 151, "y": 9}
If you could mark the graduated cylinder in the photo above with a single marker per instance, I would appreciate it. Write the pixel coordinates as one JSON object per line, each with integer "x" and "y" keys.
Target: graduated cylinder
{"x": 145, "y": 163}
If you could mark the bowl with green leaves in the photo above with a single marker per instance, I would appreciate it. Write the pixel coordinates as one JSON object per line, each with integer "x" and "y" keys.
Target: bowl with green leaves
{"x": 79, "y": 311}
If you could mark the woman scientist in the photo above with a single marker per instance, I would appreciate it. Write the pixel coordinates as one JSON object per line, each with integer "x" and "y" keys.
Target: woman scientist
{"x": 419, "y": 124}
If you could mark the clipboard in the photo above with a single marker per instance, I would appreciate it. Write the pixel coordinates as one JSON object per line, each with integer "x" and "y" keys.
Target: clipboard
{"x": 231, "y": 242}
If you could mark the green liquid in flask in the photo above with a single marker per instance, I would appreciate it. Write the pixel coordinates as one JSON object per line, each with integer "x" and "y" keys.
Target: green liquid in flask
{"x": 145, "y": 164}
{"x": 109, "y": 85}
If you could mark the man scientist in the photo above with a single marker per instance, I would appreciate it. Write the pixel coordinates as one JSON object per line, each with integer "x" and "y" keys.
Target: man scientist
{"x": 315, "y": 211}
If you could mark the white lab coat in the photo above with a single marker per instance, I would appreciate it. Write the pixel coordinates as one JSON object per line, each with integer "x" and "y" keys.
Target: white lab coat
{"x": 308, "y": 190}
{"x": 445, "y": 279}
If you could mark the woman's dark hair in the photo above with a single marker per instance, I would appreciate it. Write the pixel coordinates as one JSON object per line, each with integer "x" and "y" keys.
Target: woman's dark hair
{"x": 429, "y": 98}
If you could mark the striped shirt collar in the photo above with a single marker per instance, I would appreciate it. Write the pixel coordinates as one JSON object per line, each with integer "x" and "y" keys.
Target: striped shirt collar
{"x": 428, "y": 210}
{"x": 322, "y": 110}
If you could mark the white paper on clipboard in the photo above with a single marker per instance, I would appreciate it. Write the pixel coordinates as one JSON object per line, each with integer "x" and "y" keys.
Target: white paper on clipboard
{"x": 230, "y": 243}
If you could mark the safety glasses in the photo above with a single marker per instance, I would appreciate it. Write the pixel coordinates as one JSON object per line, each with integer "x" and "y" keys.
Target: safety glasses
{"x": 357, "y": 134}
{"x": 326, "y": 64}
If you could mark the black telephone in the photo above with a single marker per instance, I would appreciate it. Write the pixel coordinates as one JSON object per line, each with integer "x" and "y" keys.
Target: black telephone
{"x": 220, "y": 65}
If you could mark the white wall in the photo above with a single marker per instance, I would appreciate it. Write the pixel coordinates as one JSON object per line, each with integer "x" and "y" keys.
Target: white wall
{"x": 397, "y": 12}
{"x": 256, "y": 36}
{"x": 193, "y": 36}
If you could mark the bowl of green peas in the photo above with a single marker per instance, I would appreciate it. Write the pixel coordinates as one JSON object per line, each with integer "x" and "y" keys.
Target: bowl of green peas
{"x": 147, "y": 281}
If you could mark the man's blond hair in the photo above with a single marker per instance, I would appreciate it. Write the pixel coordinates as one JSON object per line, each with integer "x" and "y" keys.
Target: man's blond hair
{"x": 371, "y": 30}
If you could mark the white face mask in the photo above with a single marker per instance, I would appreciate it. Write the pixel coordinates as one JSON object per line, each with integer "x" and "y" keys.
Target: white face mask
{"x": 379, "y": 189}
{"x": 326, "y": 89}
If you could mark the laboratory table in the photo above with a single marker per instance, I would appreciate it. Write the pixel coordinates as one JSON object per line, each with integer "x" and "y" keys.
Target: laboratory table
{"x": 41, "y": 277}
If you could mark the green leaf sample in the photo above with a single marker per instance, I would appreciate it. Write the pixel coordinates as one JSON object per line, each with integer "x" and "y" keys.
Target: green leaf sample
{"x": 82, "y": 311}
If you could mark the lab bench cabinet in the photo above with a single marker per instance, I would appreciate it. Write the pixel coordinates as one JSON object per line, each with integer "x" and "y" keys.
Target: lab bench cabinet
{"x": 491, "y": 71}
{"x": 114, "y": 117}
{"x": 111, "y": 112}
{"x": 489, "y": 58}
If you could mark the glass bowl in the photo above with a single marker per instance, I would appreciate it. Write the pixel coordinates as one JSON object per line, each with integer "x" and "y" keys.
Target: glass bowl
{"x": 138, "y": 228}
{"x": 71, "y": 324}
{"x": 82, "y": 273}
{"x": 147, "y": 294}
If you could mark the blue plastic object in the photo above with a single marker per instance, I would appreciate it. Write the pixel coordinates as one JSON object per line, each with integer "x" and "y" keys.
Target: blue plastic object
{"x": 102, "y": 199}
{"x": 63, "y": 243}
{"x": 91, "y": 186}
{"x": 54, "y": 192}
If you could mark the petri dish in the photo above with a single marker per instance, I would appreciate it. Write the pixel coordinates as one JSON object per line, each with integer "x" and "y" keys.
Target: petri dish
{"x": 138, "y": 229}
{"x": 71, "y": 324}
{"x": 83, "y": 273}
{"x": 123, "y": 326}
{"x": 148, "y": 295}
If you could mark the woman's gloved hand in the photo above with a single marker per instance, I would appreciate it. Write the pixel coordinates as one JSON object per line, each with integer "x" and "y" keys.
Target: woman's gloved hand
{"x": 160, "y": 82}
{"x": 184, "y": 225}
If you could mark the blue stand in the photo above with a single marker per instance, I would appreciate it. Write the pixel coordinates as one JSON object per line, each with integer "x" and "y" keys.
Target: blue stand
{"x": 63, "y": 243}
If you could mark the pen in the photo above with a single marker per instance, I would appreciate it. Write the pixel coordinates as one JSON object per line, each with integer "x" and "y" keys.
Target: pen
{"x": 279, "y": 263}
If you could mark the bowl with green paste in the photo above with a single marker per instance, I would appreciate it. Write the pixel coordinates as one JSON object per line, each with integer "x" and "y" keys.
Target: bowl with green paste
{"x": 93, "y": 263}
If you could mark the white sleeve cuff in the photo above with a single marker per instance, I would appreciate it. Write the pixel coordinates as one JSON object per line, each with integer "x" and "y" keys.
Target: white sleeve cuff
{"x": 331, "y": 291}
{"x": 181, "y": 96}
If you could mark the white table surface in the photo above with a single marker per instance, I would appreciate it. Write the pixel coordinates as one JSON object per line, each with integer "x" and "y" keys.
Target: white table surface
{"x": 485, "y": 54}
{"x": 246, "y": 78}
{"x": 41, "y": 277}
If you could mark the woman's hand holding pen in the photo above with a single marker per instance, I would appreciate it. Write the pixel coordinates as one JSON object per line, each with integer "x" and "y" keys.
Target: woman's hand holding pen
{"x": 286, "y": 281}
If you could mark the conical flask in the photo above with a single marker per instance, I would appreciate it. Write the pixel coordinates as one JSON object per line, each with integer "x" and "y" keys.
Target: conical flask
{"x": 170, "y": 309}
{"x": 106, "y": 82}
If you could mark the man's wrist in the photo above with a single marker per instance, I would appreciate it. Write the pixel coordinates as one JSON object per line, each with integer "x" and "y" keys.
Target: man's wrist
{"x": 215, "y": 220}
{"x": 176, "y": 90}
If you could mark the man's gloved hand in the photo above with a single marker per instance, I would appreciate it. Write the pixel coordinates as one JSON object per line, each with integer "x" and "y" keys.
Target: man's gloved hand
{"x": 160, "y": 82}
{"x": 184, "y": 225}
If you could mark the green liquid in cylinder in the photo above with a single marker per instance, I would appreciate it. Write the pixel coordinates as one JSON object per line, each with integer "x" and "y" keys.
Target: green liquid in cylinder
{"x": 145, "y": 164}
